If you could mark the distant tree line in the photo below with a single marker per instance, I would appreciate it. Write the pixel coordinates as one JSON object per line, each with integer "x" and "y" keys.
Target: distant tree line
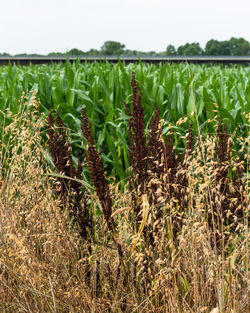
{"x": 232, "y": 47}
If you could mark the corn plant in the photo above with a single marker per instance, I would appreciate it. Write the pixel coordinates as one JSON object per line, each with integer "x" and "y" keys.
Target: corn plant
{"x": 101, "y": 88}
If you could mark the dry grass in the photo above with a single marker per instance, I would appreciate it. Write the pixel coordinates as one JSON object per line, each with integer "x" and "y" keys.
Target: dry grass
{"x": 46, "y": 267}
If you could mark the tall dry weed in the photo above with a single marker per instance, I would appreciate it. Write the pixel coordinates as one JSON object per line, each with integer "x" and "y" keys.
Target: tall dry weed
{"x": 43, "y": 264}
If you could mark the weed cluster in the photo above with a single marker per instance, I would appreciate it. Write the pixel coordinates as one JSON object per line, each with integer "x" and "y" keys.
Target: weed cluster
{"x": 174, "y": 240}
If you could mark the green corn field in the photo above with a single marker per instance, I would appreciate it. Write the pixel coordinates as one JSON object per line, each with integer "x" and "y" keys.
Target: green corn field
{"x": 191, "y": 91}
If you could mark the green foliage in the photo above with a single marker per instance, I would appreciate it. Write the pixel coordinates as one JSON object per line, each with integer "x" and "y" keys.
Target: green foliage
{"x": 171, "y": 50}
{"x": 101, "y": 90}
{"x": 190, "y": 49}
{"x": 234, "y": 47}
{"x": 4, "y": 54}
{"x": 75, "y": 52}
{"x": 112, "y": 48}
{"x": 239, "y": 46}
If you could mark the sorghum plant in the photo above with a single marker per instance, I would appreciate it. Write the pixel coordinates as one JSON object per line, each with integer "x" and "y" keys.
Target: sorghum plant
{"x": 70, "y": 190}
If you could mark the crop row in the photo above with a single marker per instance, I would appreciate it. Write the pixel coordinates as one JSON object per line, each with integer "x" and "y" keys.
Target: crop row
{"x": 197, "y": 94}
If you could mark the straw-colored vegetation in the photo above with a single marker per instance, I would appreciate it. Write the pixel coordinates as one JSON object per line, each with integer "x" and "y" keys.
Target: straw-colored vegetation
{"x": 174, "y": 239}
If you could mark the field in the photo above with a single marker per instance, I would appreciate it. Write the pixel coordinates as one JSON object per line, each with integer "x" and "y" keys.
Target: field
{"x": 124, "y": 188}
{"x": 102, "y": 89}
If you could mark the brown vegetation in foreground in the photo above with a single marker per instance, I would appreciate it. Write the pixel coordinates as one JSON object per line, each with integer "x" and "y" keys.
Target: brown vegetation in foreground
{"x": 174, "y": 240}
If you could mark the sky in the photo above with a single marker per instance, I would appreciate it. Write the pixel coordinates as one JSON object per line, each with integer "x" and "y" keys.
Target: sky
{"x": 43, "y": 26}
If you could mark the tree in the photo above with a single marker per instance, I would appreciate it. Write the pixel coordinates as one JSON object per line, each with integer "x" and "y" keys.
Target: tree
{"x": 129, "y": 53}
{"x": 171, "y": 50}
{"x": 93, "y": 52}
{"x": 112, "y": 48}
{"x": 26, "y": 55}
{"x": 4, "y": 54}
{"x": 239, "y": 46}
{"x": 190, "y": 49}
{"x": 75, "y": 52}
{"x": 61, "y": 54}
{"x": 151, "y": 53}
{"x": 234, "y": 46}
{"x": 213, "y": 47}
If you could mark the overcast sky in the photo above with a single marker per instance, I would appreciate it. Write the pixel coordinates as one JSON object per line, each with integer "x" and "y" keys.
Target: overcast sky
{"x": 43, "y": 26}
